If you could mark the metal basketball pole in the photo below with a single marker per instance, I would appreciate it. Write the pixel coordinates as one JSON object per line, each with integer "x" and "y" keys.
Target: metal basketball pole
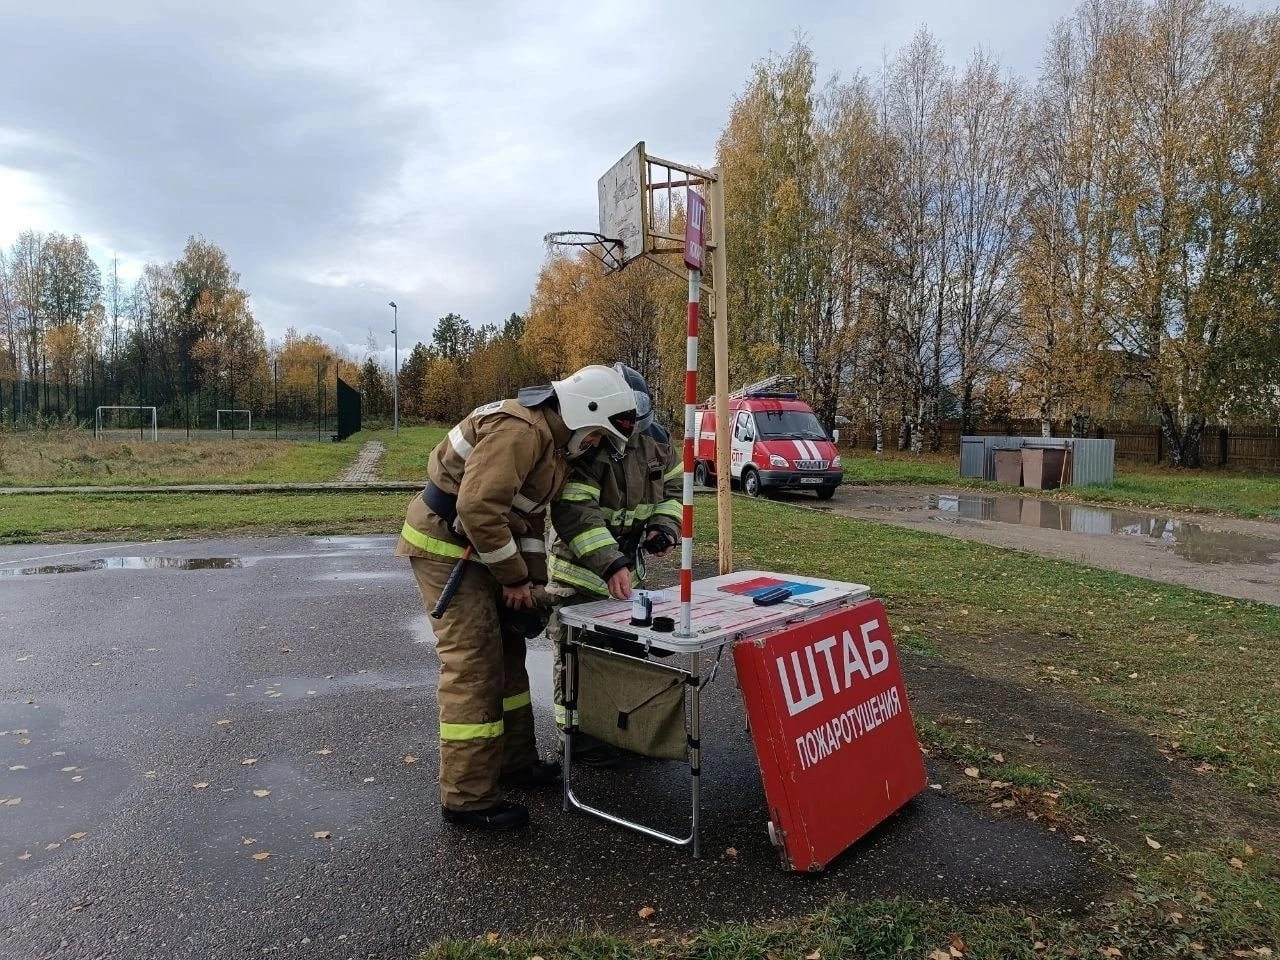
{"x": 720, "y": 346}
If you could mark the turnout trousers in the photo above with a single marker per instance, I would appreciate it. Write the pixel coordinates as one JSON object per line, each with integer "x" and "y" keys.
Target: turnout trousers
{"x": 486, "y": 714}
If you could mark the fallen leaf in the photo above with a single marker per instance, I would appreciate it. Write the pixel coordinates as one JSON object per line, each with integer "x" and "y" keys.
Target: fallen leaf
{"x": 12, "y": 801}
{"x": 200, "y": 786}
{"x": 1154, "y": 844}
{"x": 248, "y": 761}
{"x": 76, "y": 779}
{"x": 368, "y": 780}
{"x": 971, "y": 772}
{"x": 1110, "y": 952}
{"x": 77, "y": 836}
{"x": 1262, "y": 951}
{"x": 69, "y": 769}
{"x": 1039, "y": 945}
{"x": 311, "y": 693}
{"x": 262, "y": 793}
{"x": 19, "y": 766}
{"x": 322, "y": 835}
{"x": 816, "y": 955}
{"x": 491, "y": 938}
{"x": 1079, "y": 839}
{"x": 261, "y": 856}
{"x": 1205, "y": 767}
{"x": 1248, "y": 850}
{"x": 24, "y": 741}
{"x": 998, "y": 757}
{"x": 325, "y": 752}
{"x": 52, "y": 846}
{"x": 286, "y": 649}
{"x": 249, "y": 841}
{"x": 935, "y": 786}
{"x": 940, "y": 955}
{"x": 150, "y": 774}
{"x": 24, "y": 856}
{"x": 410, "y": 758}
{"x": 223, "y": 722}
{"x": 1237, "y": 863}
{"x": 730, "y": 852}
{"x": 646, "y": 912}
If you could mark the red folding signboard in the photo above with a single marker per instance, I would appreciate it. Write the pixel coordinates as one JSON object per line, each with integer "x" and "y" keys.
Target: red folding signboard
{"x": 832, "y": 730}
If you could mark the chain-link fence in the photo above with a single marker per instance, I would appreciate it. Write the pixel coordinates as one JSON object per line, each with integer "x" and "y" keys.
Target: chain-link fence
{"x": 270, "y": 410}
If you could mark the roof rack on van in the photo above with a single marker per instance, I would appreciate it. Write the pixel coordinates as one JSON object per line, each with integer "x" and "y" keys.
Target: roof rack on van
{"x": 774, "y": 387}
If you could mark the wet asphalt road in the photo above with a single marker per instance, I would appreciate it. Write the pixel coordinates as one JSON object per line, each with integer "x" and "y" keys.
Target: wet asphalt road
{"x": 135, "y": 675}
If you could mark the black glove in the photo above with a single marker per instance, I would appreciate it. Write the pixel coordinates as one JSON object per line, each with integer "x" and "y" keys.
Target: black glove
{"x": 658, "y": 539}
{"x": 527, "y": 623}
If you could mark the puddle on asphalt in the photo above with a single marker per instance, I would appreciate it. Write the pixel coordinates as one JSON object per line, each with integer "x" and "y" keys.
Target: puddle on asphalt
{"x": 128, "y": 563}
{"x": 1189, "y": 540}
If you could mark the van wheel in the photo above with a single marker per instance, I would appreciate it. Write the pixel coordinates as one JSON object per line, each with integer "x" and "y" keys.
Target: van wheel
{"x": 751, "y": 482}
{"x": 826, "y": 493}
{"x": 700, "y": 477}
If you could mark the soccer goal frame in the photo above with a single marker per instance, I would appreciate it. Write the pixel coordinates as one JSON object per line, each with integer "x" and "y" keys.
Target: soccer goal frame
{"x": 97, "y": 419}
{"x": 217, "y": 419}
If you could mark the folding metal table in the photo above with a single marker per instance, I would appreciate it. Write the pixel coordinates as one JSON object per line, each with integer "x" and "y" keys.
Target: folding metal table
{"x": 724, "y": 613}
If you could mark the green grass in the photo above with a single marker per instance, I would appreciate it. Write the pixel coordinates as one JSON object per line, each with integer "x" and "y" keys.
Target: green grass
{"x": 1208, "y": 667}
{"x": 73, "y": 458}
{"x": 26, "y": 518}
{"x": 892, "y": 468}
{"x": 406, "y": 456}
{"x": 1195, "y": 905}
{"x": 1240, "y": 494}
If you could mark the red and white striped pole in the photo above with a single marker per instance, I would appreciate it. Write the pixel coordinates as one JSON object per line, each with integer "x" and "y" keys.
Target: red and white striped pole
{"x": 690, "y": 403}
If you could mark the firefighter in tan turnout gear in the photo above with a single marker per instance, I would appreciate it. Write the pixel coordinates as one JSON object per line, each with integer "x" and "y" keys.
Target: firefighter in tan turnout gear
{"x": 484, "y": 506}
{"x": 614, "y": 509}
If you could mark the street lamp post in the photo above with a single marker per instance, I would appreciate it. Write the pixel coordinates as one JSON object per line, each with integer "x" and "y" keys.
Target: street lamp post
{"x": 395, "y": 369}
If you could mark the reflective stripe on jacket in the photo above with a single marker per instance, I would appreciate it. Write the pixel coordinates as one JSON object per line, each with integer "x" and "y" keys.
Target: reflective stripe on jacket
{"x": 601, "y": 515}
{"x": 504, "y": 464}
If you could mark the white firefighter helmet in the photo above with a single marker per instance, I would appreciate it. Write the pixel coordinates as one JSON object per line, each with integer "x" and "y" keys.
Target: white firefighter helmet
{"x": 598, "y": 398}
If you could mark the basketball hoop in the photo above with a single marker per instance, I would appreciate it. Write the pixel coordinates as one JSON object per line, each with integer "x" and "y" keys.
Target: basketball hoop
{"x": 605, "y": 249}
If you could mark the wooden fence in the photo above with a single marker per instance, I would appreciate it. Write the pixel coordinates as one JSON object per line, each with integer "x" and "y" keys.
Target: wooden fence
{"x": 1239, "y": 447}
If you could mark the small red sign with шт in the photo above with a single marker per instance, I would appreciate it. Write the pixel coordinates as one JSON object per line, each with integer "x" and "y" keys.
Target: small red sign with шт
{"x": 833, "y": 734}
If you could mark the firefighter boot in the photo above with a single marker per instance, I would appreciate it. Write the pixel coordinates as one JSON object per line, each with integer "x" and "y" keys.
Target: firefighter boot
{"x": 501, "y": 816}
{"x": 543, "y": 773}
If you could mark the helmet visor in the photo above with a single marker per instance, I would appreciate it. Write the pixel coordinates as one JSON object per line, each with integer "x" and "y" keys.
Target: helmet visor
{"x": 624, "y": 423}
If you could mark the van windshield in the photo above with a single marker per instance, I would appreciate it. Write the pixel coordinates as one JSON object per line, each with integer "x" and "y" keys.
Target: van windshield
{"x": 799, "y": 424}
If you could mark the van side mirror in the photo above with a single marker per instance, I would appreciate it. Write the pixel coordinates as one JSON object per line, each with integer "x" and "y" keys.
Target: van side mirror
{"x": 835, "y": 436}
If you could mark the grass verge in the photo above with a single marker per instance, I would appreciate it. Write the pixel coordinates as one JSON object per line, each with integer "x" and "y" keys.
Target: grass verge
{"x": 1250, "y": 495}
{"x": 71, "y": 458}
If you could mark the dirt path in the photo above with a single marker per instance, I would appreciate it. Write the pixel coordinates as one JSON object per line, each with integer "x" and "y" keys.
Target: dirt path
{"x": 1234, "y": 558}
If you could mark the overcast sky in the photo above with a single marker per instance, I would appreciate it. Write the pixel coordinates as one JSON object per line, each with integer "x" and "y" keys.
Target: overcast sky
{"x": 410, "y": 151}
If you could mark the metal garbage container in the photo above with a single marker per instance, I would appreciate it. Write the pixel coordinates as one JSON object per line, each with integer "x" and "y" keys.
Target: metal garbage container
{"x": 1043, "y": 467}
{"x": 1008, "y": 467}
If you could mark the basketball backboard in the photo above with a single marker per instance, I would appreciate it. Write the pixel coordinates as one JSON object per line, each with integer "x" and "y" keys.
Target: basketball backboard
{"x": 624, "y": 198}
